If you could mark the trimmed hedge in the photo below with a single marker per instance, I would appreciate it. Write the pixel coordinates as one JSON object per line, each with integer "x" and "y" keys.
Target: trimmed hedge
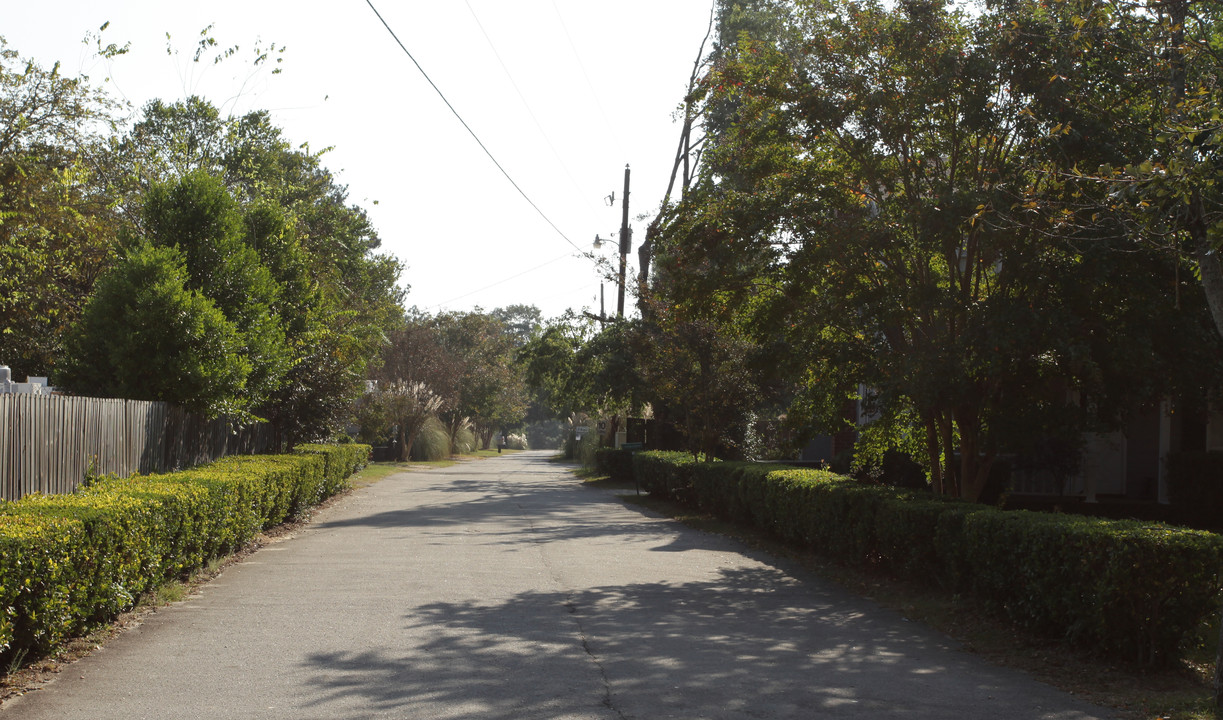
{"x": 665, "y": 473}
{"x": 1125, "y": 587}
{"x": 68, "y": 562}
{"x": 616, "y": 464}
{"x": 1136, "y": 589}
{"x": 36, "y": 569}
{"x": 340, "y": 462}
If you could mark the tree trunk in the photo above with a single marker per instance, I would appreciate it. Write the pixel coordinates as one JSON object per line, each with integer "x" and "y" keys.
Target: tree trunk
{"x": 969, "y": 489}
{"x": 407, "y": 448}
{"x": 644, "y": 254}
{"x": 1219, "y": 670}
{"x": 936, "y": 466}
{"x": 951, "y": 485}
{"x": 613, "y": 426}
{"x": 974, "y": 469}
{"x": 403, "y": 444}
{"x": 1212, "y": 275}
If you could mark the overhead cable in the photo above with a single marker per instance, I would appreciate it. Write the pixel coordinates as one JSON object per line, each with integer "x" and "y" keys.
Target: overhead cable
{"x": 611, "y": 129}
{"x": 543, "y": 133}
{"x": 502, "y": 281}
{"x": 468, "y": 127}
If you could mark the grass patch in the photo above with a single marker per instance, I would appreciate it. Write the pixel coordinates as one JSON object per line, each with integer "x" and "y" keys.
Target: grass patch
{"x": 434, "y": 463}
{"x": 490, "y": 453}
{"x": 170, "y": 593}
{"x": 1178, "y": 693}
{"x": 16, "y": 663}
{"x": 376, "y": 471}
{"x": 596, "y": 479}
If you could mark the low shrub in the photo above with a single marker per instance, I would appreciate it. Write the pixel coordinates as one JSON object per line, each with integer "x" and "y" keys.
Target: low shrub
{"x": 37, "y": 578}
{"x": 185, "y": 512}
{"x": 584, "y": 450}
{"x": 118, "y": 556}
{"x": 341, "y": 462}
{"x": 665, "y": 473}
{"x": 616, "y": 464}
{"x": 68, "y": 562}
{"x": 919, "y": 536}
{"x": 433, "y": 442}
{"x": 716, "y": 488}
{"x": 1127, "y": 588}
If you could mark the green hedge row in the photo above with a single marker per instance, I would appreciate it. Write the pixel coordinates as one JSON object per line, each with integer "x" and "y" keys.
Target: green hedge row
{"x": 68, "y": 562}
{"x": 1127, "y": 588}
{"x": 616, "y": 464}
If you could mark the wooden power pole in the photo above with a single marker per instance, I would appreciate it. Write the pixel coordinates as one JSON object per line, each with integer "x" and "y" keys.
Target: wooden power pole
{"x": 626, "y": 241}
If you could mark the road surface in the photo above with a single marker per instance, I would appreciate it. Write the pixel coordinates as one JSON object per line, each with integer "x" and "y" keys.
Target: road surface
{"x": 503, "y": 588}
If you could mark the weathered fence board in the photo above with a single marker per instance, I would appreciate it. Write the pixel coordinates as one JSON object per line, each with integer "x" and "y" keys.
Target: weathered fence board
{"x": 48, "y": 443}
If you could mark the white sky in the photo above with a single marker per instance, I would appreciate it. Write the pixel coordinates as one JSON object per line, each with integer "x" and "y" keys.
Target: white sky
{"x": 602, "y": 81}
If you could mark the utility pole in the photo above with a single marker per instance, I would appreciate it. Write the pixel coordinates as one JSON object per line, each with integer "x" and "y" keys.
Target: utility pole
{"x": 626, "y": 241}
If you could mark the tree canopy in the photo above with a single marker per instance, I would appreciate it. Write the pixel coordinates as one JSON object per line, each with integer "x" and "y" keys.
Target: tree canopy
{"x": 978, "y": 233}
{"x": 260, "y": 231}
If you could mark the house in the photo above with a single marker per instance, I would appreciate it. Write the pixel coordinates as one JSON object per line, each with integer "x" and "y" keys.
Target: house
{"x": 1126, "y": 464}
{"x": 1132, "y": 463}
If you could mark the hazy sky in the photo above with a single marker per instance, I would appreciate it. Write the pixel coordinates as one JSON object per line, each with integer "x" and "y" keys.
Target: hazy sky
{"x": 564, "y": 93}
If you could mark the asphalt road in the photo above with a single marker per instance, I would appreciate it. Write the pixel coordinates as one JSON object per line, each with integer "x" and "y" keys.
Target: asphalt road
{"x": 505, "y": 589}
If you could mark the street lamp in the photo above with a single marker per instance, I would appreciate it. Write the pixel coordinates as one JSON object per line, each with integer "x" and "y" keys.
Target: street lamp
{"x": 626, "y": 241}
{"x": 598, "y": 245}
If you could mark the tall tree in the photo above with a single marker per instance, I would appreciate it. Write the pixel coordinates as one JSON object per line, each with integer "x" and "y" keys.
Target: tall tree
{"x": 522, "y": 322}
{"x": 198, "y": 216}
{"x": 852, "y": 210}
{"x": 406, "y": 406}
{"x": 338, "y": 295}
{"x": 146, "y": 335}
{"x": 492, "y": 393}
{"x": 58, "y": 228}
{"x": 1129, "y": 96}
{"x": 551, "y": 366}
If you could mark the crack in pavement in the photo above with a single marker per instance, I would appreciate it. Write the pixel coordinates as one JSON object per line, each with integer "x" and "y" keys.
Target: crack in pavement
{"x": 607, "y": 690}
{"x": 571, "y": 606}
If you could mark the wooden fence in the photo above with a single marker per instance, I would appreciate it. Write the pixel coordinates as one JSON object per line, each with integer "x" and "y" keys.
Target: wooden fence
{"x": 48, "y": 443}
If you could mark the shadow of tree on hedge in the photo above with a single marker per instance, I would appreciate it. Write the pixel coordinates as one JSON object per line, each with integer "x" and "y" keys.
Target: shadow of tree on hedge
{"x": 749, "y": 643}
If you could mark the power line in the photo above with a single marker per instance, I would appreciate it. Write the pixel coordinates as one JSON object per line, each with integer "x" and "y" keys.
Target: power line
{"x": 468, "y": 127}
{"x": 543, "y": 133}
{"x": 502, "y": 281}
{"x": 593, "y": 94}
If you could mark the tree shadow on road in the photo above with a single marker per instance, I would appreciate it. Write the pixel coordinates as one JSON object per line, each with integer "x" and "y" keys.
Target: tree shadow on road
{"x": 507, "y": 512}
{"x": 747, "y": 643}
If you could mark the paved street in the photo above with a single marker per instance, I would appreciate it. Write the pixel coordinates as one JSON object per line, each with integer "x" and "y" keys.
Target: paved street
{"x": 503, "y": 588}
